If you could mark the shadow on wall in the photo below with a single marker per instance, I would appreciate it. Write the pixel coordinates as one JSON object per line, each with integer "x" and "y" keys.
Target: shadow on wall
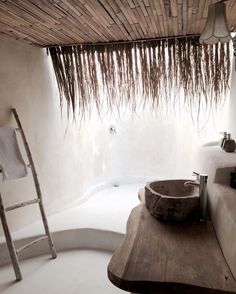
{"x": 146, "y": 145}
{"x": 28, "y": 84}
{"x": 70, "y": 160}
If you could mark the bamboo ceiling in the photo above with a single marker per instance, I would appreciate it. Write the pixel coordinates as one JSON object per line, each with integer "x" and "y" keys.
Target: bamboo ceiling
{"x": 64, "y": 22}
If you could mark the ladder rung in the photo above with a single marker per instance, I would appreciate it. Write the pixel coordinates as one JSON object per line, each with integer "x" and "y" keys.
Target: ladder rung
{"x": 31, "y": 243}
{"x": 22, "y": 204}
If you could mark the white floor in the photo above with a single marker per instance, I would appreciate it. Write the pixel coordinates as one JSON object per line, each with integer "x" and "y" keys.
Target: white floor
{"x": 73, "y": 272}
{"x": 99, "y": 223}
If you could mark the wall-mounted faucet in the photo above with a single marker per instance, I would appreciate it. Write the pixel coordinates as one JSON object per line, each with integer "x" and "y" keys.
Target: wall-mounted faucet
{"x": 112, "y": 130}
{"x": 201, "y": 182}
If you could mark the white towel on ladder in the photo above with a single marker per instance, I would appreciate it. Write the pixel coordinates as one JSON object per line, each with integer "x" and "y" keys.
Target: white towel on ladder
{"x": 12, "y": 164}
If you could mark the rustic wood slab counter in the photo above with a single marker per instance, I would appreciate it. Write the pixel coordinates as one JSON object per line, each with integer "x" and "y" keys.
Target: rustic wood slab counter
{"x": 160, "y": 257}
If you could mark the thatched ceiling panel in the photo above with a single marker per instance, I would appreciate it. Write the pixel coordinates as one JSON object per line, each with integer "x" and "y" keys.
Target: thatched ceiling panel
{"x": 58, "y": 22}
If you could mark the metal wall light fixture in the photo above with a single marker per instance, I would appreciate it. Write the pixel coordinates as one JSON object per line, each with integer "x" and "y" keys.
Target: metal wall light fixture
{"x": 216, "y": 28}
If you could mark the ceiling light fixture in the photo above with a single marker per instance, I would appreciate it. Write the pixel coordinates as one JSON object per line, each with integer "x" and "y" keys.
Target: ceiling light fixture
{"x": 216, "y": 28}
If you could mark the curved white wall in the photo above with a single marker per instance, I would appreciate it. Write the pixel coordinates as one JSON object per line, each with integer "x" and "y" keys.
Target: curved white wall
{"x": 232, "y": 102}
{"x": 70, "y": 160}
{"x": 62, "y": 155}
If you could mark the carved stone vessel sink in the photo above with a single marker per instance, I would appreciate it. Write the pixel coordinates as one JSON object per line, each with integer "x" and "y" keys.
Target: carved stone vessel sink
{"x": 171, "y": 199}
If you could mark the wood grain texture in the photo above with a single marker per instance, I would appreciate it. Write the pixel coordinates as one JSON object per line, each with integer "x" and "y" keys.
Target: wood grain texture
{"x": 9, "y": 241}
{"x": 22, "y": 204}
{"x": 37, "y": 185}
{"x": 171, "y": 199}
{"x": 161, "y": 257}
{"x": 63, "y": 22}
{"x": 19, "y": 250}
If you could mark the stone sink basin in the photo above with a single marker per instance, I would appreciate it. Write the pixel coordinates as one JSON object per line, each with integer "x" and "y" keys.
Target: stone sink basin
{"x": 171, "y": 199}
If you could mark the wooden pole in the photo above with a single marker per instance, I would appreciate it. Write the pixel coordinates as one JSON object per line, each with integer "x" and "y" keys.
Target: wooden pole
{"x": 22, "y": 204}
{"x": 30, "y": 243}
{"x": 10, "y": 244}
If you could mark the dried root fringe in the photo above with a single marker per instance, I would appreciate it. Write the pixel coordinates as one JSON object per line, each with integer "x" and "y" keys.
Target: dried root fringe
{"x": 146, "y": 74}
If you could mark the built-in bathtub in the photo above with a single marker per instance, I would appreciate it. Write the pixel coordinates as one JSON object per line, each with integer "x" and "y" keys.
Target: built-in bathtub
{"x": 97, "y": 223}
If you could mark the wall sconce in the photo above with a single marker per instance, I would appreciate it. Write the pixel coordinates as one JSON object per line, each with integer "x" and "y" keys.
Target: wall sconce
{"x": 216, "y": 28}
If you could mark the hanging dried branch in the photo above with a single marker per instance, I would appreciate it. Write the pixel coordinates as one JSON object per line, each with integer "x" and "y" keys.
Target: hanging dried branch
{"x": 145, "y": 74}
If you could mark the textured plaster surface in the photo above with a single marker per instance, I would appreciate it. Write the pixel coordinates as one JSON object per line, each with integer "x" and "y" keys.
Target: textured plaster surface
{"x": 73, "y": 161}
{"x": 78, "y": 271}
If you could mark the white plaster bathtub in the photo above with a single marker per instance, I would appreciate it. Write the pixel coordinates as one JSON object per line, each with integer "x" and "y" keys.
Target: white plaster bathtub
{"x": 98, "y": 223}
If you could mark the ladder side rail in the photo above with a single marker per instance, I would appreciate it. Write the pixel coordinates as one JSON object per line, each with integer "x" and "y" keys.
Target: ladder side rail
{"x": 31, "y": 162}
{"x": 9, "y": 241}
{"x": 37, "y": 186}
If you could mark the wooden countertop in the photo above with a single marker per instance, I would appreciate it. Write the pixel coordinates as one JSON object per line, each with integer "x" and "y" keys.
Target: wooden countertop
{"x": 160, "y": 257}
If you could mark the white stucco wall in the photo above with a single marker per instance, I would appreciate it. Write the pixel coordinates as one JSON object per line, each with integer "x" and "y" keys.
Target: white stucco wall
{"x": 61, "y": 153}
{"x": 232, "y": 103}
{"x": 71, "y": 160}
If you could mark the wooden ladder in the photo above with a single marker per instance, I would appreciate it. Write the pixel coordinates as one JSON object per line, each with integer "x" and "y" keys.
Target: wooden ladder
{"x": 10, "y": 244}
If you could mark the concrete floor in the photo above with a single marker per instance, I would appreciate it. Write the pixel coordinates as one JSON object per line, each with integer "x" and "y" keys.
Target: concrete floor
{"x": 73, "y": 272}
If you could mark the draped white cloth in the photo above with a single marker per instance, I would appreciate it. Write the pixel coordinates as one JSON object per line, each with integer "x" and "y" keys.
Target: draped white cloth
{"x": 12, "y": 164}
